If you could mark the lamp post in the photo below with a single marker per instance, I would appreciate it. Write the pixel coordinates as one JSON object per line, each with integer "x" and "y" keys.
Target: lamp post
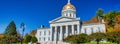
{"x": 23, "y": 29}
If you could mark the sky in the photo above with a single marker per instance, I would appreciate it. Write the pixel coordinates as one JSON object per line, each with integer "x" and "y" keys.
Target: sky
{"x": 39, "y": 12}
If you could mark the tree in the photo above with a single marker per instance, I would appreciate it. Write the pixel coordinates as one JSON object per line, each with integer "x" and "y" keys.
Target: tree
{"x": 82, "y": 38}
{"x": 117, "y": 24}
{"x": 11, "y": 29}
{"x": 110, "y": 19}
{"x": 33, "y": 32}
{"x": 33, "y": 39}
{"x": 1, "y": 36}
{"x": 10, "y": 34}
{"x": 118, "y": 19}
{"x": 27, "y": 38}
{"x": 113, "y": 36}
{"x": 100, "y": 13}
{"x": 77, "y": 39}
{"x": 97, "y": 37}
{"x": 72, "y": 39}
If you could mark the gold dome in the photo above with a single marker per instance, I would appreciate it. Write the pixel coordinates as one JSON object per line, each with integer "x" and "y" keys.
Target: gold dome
{"x": 69, "y": 6}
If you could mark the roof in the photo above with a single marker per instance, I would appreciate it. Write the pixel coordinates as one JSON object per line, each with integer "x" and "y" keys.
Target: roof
{"x": 92, "y": 21}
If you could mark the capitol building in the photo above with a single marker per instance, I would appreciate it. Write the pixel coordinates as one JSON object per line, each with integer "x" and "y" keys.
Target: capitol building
{"x": 65, "y": 25}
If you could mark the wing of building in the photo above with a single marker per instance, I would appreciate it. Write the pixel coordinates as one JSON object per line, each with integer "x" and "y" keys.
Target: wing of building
{"x": 65, "y": 25}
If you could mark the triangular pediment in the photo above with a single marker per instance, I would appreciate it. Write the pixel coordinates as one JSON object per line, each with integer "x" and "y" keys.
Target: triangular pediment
{"x": 63, "y": 19}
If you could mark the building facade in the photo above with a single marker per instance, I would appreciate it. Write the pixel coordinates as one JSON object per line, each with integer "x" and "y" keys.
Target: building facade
{"x": 65, "y": 25}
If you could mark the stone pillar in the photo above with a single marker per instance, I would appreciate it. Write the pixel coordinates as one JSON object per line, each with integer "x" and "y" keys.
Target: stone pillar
{"x": 73, "y": 30}
{"x": 78, "y": 29}
{"x": 55, "y": 34}
{"x": 61, "y": 33}
{"x": 51, "y": 30}
{"x": 66, "y": 30}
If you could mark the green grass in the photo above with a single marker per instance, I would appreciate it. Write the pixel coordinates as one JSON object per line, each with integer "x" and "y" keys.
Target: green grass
{"x": 19, "y": 43}
{"x": 100, "y": 43}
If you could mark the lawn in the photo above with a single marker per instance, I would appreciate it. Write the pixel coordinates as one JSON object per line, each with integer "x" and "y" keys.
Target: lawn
{"x": 19, "y": 43}
{"x": 100, "y": 43}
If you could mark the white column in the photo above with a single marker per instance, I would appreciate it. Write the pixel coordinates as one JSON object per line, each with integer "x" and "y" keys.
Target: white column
{"x": 78, "y": 29}
{"x": 61, "y": 33}
{"x": 55, "y": 34}
{"x": 51, "y": 29}
{"x": 73, "y": 30}
{"x": 66, "y": 30}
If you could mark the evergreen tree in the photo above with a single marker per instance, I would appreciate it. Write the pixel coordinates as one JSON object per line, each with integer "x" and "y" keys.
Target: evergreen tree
{"x": 11, "y": 35}
{"x": 100, "y": 13}
{"x": 11, "y": 29}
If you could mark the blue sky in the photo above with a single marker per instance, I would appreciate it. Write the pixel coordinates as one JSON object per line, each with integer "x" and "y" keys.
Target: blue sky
{"x": 39, "y": 12}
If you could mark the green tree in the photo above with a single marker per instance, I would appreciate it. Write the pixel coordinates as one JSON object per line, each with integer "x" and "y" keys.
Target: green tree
{"x": 33, "y": 39}
{"x": 27, "y": 38}
{"x": 11, "y": 29}
{"x": 97, "y": 36}
{"x": 113, "y": 36}
{"x": 33, "y": 32}
{"x": 77, "y": 39}
{"x": 110, "y": 17}
{"x": 100, "y": 13}
{"x": 82, "y": 38}
{"x": 10, "y": 34}
{"x": 71, "y": 39}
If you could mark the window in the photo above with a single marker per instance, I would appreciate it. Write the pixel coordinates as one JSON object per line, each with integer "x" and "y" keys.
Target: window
{"x": 70, "y": 14}
{"x": 44, "y": 38}
{"x": 49, "y": 32}
{"x": 39, "y": 39}
{"x": 44, "y": 32}
{"x": 40, "y": 32}
{"x": 85, "y": 31}
{"x": 91, "y": 29}
{"x": 99, "y": 29}
{"x": 48, "y": 38}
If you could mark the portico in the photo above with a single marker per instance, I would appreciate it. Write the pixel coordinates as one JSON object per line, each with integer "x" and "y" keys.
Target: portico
{"x": 62, "y": 31}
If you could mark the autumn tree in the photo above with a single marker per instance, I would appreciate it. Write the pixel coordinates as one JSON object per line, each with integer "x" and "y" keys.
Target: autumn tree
{"x": 118, "y": 19}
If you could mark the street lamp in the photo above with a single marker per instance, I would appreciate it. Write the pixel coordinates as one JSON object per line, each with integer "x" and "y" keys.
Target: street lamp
{"x": 23, "y": 29}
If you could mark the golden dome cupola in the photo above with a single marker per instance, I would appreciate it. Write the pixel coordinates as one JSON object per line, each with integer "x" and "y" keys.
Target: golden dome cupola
{"x": 69, "y": 10}
{"x": 69, "y": 6}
